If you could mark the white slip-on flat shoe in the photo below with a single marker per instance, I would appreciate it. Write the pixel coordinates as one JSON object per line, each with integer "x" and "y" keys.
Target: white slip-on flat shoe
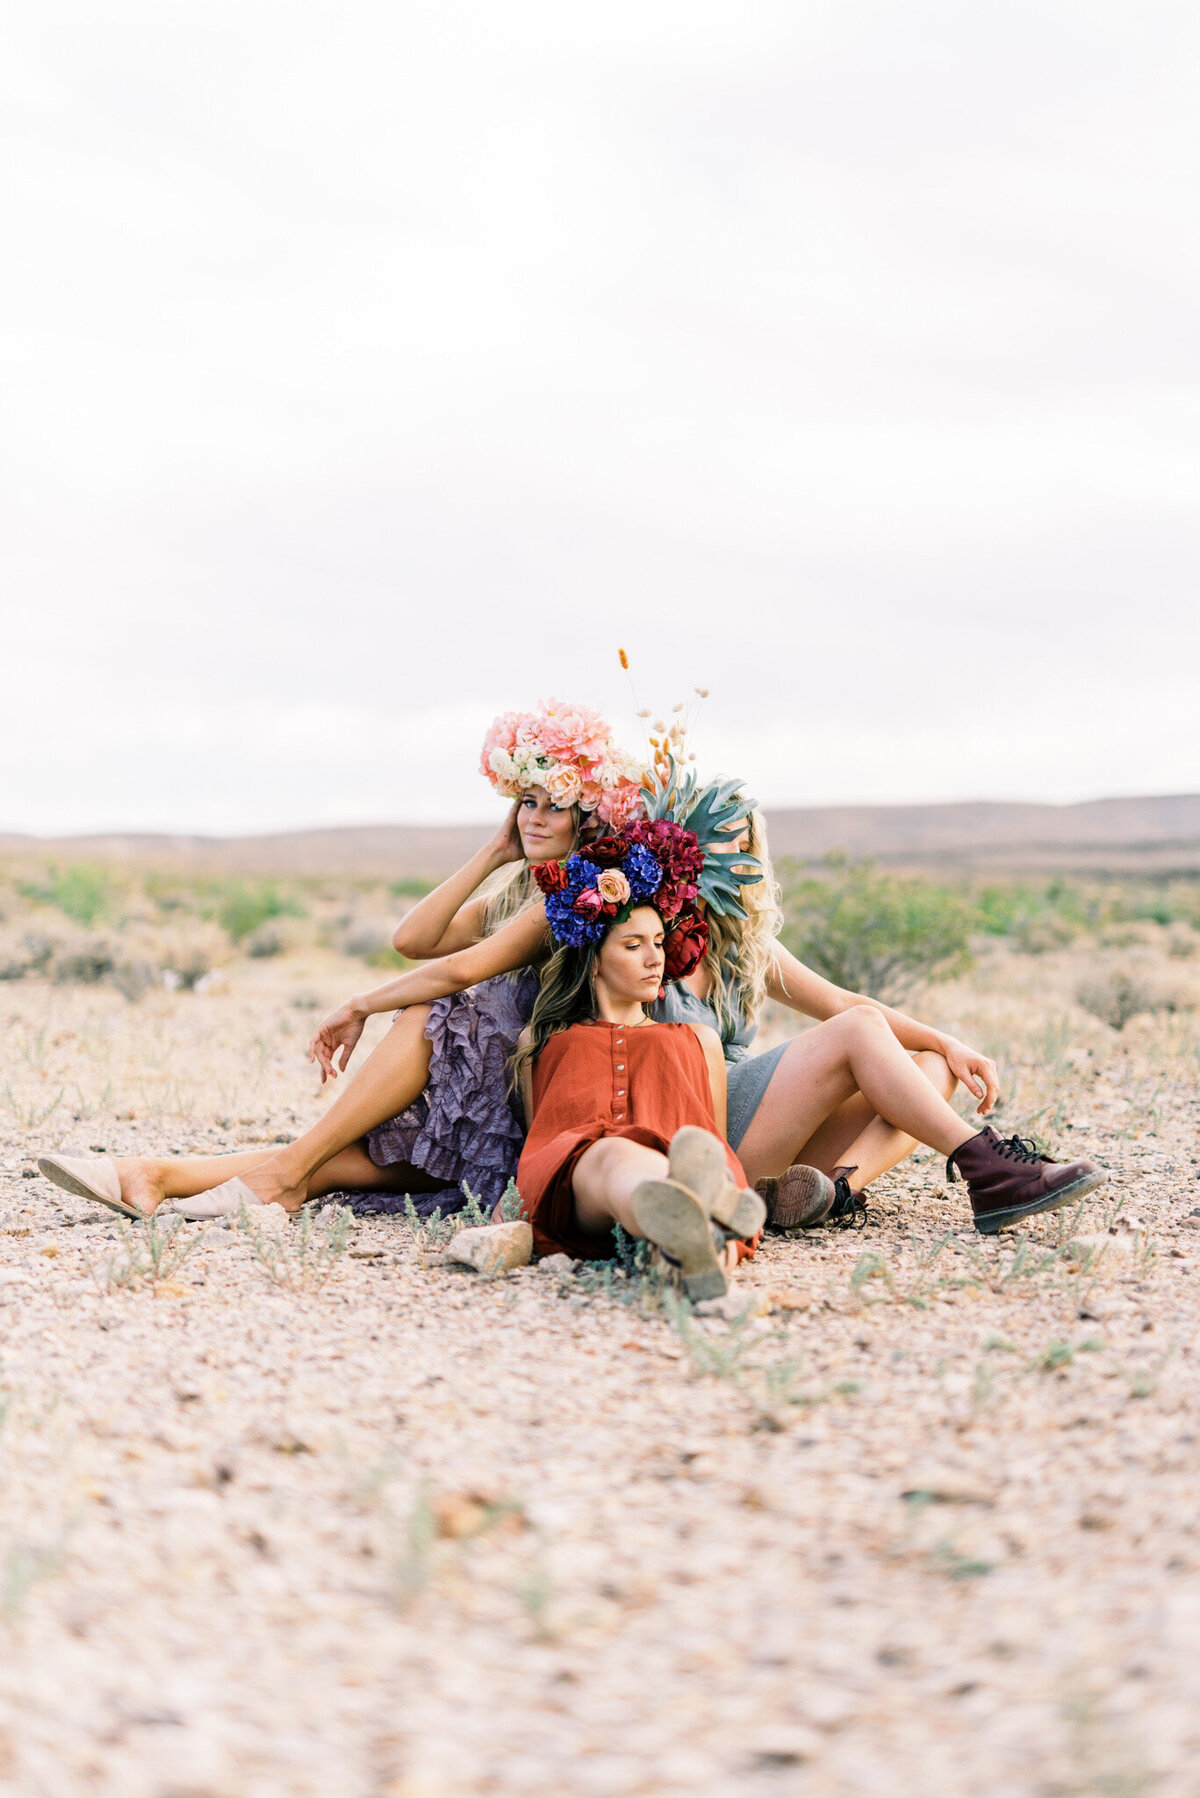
{"x": 225, "y": 1200}
{"x": 89, "y": 1177}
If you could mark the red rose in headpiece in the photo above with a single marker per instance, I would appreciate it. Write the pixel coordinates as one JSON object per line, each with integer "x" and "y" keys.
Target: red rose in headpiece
{"x": 685, "y": 944}
{"x": 552, "y": 877}
{"x": 607, "y": 852}
{"x": 590, "y": 905}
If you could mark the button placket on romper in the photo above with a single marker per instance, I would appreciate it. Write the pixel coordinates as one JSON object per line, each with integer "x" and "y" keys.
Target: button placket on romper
{"x": 620, "y": 1083}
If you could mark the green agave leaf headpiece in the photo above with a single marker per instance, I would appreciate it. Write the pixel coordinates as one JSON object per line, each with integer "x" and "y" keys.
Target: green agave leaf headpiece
{"x": 709, "y": 812}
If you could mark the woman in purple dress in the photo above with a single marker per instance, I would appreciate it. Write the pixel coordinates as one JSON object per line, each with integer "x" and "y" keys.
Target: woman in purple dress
{"x": 429, "y": 1113}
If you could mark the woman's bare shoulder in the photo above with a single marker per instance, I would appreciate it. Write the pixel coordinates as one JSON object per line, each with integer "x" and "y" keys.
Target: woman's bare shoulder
{"x": 707, "y": 1037}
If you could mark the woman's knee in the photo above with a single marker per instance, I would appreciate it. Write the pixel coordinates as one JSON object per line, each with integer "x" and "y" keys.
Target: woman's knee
{"x": 860, "y": 1020}
{"x": 936, "y": 1070}
{"x": 413, "y": 1017}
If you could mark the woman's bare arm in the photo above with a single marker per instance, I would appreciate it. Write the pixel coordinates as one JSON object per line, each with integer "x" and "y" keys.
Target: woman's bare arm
{"x": 515, "y": 945}
{"x": 714, "y": 1056}
{"x": 449, "y": 918}
{"x": 793, "y": 984}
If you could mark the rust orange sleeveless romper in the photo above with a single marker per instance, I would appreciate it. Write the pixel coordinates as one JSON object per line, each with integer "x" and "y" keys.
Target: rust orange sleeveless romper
{"x": 643, "y": 1081}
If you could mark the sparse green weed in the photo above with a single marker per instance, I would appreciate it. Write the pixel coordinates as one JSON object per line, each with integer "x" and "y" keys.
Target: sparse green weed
{"x": 147, "y": 1255}
{"x": 302, "y": 1255}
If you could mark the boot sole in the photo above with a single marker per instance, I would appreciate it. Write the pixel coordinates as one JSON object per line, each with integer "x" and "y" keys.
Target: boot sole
{"x": 803, "y": 1199}
{"x": 747, "y": 1217}
{"x": 697, "y": 1161}
{"x": 992, "y": 1222}
{"x": 675, "y": 1221}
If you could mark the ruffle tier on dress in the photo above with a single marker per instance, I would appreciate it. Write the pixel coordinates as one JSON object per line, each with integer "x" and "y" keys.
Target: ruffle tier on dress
{"x": 465, "y": 1129}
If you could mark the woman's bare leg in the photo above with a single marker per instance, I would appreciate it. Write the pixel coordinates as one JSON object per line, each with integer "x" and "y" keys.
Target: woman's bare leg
{"x": 352, "y": 1170}
{"x": 856, "y": 1136}
{"x": 605, "y": 1179}
{"x": 390, "y": 1079}
{"x": 821, "y": 1070}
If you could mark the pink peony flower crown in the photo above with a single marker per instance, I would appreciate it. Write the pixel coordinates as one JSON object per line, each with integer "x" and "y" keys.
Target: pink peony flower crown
{"x": 568, "y": 749}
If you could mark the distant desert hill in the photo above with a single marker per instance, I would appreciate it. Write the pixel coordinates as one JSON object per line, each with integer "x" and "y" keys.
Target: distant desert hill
{"x": 1160, "y": 834}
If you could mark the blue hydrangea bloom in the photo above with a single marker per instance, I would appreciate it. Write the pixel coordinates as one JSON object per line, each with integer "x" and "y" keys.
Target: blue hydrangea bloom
{"x": 567, "y": 925}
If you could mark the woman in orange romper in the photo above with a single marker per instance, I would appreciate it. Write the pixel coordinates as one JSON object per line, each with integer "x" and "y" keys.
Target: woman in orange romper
{"x": 625, "y": 1116}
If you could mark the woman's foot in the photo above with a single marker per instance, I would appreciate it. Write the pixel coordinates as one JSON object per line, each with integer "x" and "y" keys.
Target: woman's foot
{"x": 258, "y": 1186}
{"x": 697, "y": 1160}
{"x": 1008, "y": 1179}
{"x": 675, "y": 1221}
{"x": 105, "y": 1181}
{"x": 798, "y": 1199}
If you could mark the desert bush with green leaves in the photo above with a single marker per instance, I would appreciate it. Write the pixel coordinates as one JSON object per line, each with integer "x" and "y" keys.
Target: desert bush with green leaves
{"x": 88, "y": 923}
{"x": 874, "y": 931}
{"x": 890, "y": 934}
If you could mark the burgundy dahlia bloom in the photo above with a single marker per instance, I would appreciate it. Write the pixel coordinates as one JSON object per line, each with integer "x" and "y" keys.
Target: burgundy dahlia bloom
{"x": 685, "y": 944}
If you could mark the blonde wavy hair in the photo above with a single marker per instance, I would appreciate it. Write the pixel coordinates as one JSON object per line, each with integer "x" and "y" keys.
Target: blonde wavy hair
{"x": 740, "y": 950}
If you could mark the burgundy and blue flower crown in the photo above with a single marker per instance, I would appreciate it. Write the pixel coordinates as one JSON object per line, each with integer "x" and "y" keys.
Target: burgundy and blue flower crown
{"x": 655, "y": 864}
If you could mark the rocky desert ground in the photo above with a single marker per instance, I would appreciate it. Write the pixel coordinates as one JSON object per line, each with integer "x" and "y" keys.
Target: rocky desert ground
{"x": 312, "y": 1515}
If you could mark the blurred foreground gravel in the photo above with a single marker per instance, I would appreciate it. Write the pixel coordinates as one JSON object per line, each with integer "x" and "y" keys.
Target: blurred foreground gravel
{"x": 928, "y": 1526}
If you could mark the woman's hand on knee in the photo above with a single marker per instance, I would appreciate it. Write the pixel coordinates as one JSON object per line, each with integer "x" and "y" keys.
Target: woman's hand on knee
{"x": 978, "y": 1073}
{"x": 336, "y": 1038}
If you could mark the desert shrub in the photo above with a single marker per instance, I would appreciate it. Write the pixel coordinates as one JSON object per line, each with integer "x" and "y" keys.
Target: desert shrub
{"x": 84, "y": 892}
{"x": 24, "y": 952}
{"x": 134, "y": 978}
{"x": 247, "y": 905}
{"x": 874, "y": 932}
{"x": 411, "y": 887}
{"x": 188, "y": 951}
{"x": 265, "y": 942}
{"x": 83, "y": 961}
{"x": 1040, "y": 933}
{"x": 370, "y": 939}
{"x": 1116, "y": 995}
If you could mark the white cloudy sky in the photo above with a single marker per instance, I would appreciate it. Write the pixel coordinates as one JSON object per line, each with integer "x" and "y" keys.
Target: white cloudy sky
{"x": 366, "y": 368}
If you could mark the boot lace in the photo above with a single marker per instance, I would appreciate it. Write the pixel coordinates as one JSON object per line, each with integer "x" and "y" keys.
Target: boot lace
{"x": 1020, "y": 1148}
{"x": 849, "y": 1209}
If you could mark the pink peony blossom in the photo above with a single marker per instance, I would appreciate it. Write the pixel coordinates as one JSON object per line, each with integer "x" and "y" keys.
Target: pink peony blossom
{"x": 621, "y": 805}
{"x": 573, "y": 732}
{"x": 501, "y": 734}
{"x": 529, "y": 731}
{"x": 590, "y": 794}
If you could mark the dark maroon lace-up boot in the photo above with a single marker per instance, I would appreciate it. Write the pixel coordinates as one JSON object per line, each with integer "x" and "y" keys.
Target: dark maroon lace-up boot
{"x": 802, "y": 1197}
{"x": 798, "y": 1199}
{"x": 1008, "y": 1180}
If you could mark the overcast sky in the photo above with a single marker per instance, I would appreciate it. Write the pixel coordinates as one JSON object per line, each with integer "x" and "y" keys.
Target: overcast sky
{"x": 370, "y": 368}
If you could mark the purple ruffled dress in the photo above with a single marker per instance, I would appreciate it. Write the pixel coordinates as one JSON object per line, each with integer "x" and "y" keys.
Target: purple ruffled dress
{"x": 466, "y": 1126}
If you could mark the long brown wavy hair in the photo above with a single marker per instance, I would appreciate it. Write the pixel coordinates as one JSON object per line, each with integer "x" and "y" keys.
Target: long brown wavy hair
{"x": 565, "y": 997}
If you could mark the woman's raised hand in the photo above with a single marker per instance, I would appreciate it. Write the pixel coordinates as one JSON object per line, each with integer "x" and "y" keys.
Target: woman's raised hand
{"x": 506, "y": 845}
{"x": 334, "y": 1039}
{"x": 977, "y": 1073}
